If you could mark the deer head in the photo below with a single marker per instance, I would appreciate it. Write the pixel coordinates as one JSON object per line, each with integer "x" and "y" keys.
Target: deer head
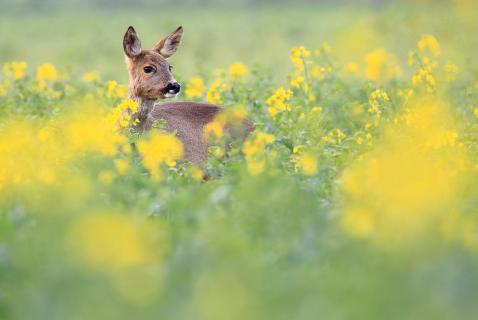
{"x": 150, "y": 76}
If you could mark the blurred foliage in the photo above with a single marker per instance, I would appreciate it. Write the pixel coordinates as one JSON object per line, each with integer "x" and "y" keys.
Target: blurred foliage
{"x": 353, "y": 198}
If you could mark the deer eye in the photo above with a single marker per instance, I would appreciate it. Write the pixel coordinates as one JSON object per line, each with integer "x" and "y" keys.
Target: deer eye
{"x": 170, "y": 68}
{"x": 148, "y": 69}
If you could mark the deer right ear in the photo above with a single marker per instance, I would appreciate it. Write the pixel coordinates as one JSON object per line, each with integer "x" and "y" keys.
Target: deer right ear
{"x": 131, "y": 43}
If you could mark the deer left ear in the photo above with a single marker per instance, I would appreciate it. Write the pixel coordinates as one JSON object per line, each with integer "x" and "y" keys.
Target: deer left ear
{"x": 131, "y": 43}
{"x": 168, "y": 45}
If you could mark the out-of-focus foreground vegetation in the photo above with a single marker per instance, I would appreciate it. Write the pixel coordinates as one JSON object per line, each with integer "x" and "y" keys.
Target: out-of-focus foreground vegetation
{"x": 353, "y": 199}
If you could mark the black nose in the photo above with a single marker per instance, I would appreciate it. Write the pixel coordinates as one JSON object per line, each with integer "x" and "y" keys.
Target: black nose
{"x": 173, "y": 88}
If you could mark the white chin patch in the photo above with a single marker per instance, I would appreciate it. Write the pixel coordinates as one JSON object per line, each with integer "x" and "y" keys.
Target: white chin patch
{"x": 170, "y": 95}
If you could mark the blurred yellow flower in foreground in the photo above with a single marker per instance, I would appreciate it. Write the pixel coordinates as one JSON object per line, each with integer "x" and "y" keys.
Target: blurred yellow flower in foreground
{"x": 213, "y": 130}
{"x": 381, "y": 65}
{"x": 109, "y": 241}
{"x": 254, "y": 150}
{"x": 411, "y": 181}
{"x": 307, "y": 164}
{"x": 90, "y": 131}
{"x": 160, "y": 148}
{"x": 15, "y": 69}
{"x": 47, "y": 71}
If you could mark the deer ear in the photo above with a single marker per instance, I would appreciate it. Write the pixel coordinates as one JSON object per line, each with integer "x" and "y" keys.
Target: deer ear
{"x": 131, "y": 43}
{"x": 168, "y": 45}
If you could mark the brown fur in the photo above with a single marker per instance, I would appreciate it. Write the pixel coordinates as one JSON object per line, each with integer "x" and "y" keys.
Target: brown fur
{"x": 186, "y": 118}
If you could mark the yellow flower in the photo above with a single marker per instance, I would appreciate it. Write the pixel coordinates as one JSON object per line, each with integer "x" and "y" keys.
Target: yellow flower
{"x": 109, "y": 242}
{"x": 15, "y": 69}
{"x": 195, "y": 88}
{"x": 277, "y": 102}
{"x": 115, "y": 90}
{"x": 255, "y": 153}
{"x": 298, "y": 56}
{"x": 90, "y": 131}
{"x": 475, "y": 112}
{"x": 237, "y": 70}
{"x": 307, "y": 163}
{"x": 217, "y": 151}
{"x": 272, "y": 112}
{"x": 381, "y": 65}
{"x": 425, "y": 77}
{"x": 121, "y": 114}
{"x": 213, "y": 130}
{"x": 429, "y": 43}
{"x": 213, "y": 95}
{"x": 297, "y": 81}
{"x": 160, "y": 148}
{"x": 411, "y": 180}
{"x": 196, "y": 174}
{"x": 46, "y": 72}
{"x": 91, "y": 76}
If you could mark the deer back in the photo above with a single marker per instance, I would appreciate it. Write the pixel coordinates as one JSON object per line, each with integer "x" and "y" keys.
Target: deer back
{"x": 188, "y": 119}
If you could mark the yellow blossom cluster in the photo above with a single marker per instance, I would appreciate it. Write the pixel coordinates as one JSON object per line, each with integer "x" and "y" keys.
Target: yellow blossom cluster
{"x": 115, "y": 90}
{"x": 237, "y": 70}
{"x": 47, "y": 72}
{"x": 335, "y": 136}
{"x": 254, "y": 150}
{"x": 377, "y": 98}
{"x": 429, "y": 44}
{"x": 214, "y": 92}
{"x": 298, "y": 56}
{"x": 306, "y": 163}
{"x": 278, "y": 102}
{"x": 381, "y": 65}
{"x": 15, "y": 69}
{"x": 160, "y": 148}
{"x": 122, "y": 113}
{"x": 40, "y": 153}
{"x": 410, "y": 182}
{"x": 195, "y": 88}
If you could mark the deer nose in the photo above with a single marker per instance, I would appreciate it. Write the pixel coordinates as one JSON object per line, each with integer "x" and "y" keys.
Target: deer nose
{"x": 173, "y": 88}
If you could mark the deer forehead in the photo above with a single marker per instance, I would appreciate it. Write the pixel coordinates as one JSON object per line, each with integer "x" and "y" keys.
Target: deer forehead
{"x": 150, "y": 58}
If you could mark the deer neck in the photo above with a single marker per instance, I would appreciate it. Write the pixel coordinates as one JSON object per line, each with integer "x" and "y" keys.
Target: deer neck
{"x": 144, "y": 107}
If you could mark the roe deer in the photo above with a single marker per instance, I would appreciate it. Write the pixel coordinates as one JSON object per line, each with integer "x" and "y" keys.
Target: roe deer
{"x": 150, "y": 79}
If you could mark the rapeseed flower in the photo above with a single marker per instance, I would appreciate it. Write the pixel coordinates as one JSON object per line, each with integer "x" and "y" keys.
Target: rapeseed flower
{"x": 160, "y": 148}
{"x": 91, "y": 76}
{"x": 237, "y": 70}
{"x": 47, "y": 72}
{"x": 195, "y": 88}
{"x": 381, "y": 65}
{"x": 15, "y": 69}
{"x": 214, "y": 92}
